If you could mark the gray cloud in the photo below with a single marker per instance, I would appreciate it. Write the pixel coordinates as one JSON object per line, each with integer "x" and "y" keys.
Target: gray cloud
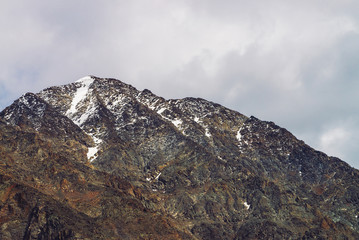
{"x": 292, "y": 63}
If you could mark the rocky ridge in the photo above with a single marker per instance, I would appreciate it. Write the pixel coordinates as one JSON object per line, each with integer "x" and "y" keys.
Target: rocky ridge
{"x": 99, "y": 159}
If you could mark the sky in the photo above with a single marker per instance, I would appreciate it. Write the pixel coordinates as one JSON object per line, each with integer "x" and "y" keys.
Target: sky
{"x": 295, "y": 63}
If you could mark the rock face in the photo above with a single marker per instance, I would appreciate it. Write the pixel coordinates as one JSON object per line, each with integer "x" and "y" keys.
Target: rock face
{"x": 99, "y": 159}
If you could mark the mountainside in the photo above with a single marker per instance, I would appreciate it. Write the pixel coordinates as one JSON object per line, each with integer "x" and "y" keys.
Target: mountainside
{"x": 99, "y": 159}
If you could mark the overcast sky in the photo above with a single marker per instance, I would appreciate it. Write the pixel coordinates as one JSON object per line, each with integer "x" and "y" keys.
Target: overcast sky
{"x": 292, "y": 62}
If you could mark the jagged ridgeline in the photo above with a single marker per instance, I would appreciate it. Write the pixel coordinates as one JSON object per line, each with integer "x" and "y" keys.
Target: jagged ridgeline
{"x": 99, "y": 159}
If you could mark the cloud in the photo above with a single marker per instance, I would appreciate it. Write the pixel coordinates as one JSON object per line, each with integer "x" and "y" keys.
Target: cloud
{"x": 340, "y": 140}
{"x": 332, "y": 140}
{"x": 294, "y": 63}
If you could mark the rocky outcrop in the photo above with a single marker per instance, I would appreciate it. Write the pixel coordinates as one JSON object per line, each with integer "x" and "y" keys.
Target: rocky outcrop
{"x": 48, "y": 191}
{"x": 98, "y": 159}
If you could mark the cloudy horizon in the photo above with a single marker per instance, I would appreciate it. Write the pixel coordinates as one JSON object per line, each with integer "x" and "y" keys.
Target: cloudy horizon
{"x": 293, "y": 63}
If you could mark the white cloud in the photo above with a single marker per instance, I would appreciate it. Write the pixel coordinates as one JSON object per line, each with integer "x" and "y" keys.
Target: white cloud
{"x": 333, "y": 140}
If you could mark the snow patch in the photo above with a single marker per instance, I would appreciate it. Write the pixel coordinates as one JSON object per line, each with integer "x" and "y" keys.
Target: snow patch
{"x": 118, "y": 102}
{"x": 84, "y": 116}
{"x": 92, "y": 151}
{"x": 156, "y": 178}
{"x": 161, "y": 110}
{"x": 85, "y": 79}
{"x": 24, "y": 101}
{"x": 152, "y": 106}
{"x": 8, "y": 116}
{"x": 239, "y": 135}
{"x": 80, "y": 94}
{"x": 177, "y": 122}
{"x": 207, "y": 133}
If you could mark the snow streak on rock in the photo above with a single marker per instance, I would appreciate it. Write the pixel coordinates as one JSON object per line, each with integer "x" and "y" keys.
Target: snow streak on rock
{"x": 80, "y": 94}
{"x": 175, "y": 121}
{"x": 246, "y": 205}
{"x": 92, "y": 151}
{"x": 239, "y": 135}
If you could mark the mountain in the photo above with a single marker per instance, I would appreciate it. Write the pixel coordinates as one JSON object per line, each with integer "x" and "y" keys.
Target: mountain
{"x": 99, "y": 159}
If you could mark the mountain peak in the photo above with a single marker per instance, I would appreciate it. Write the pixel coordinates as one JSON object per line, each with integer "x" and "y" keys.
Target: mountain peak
{"x": 130, "y": 164}
{"x": 86, "y": 79}
{"x": 27, "y": 106}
